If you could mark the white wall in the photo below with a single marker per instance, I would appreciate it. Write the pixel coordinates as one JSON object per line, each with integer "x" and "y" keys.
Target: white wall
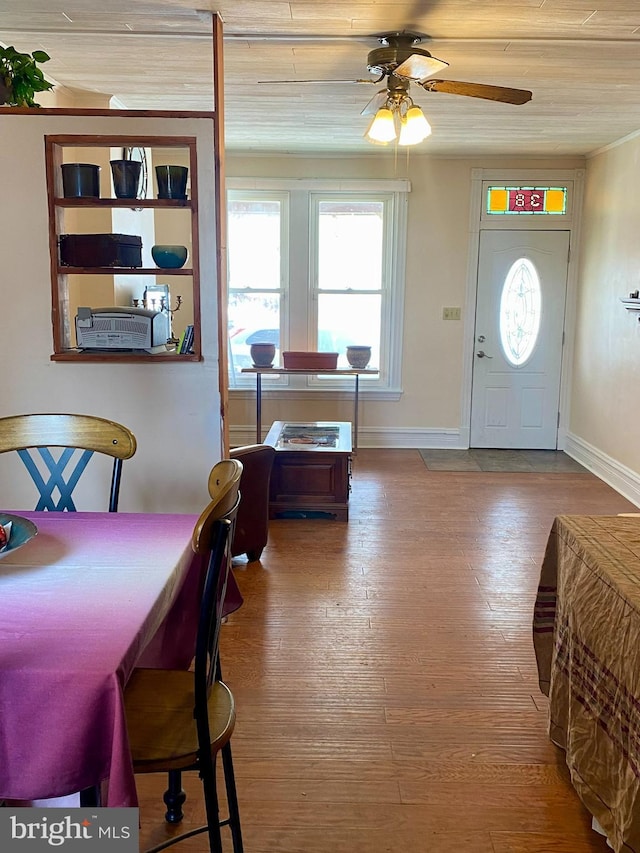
{"x": 606, "y": 369}
{"x": 172, "y": 408}
{"x": 429, "y": 412}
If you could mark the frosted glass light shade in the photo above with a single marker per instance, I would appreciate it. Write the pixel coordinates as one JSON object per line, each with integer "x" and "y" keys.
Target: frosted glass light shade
{"x": 414, "y": 127}
{"x": 382, "y": 128}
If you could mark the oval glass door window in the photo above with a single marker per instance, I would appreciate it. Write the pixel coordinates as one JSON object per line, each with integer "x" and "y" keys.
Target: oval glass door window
{"x": 520, "y": 306}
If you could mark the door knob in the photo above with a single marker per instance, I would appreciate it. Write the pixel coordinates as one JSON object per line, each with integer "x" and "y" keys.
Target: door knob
{"x": 482, "y": 354}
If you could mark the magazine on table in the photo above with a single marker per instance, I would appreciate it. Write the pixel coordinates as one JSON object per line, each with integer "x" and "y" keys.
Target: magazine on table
{"x": 309, "y": 434}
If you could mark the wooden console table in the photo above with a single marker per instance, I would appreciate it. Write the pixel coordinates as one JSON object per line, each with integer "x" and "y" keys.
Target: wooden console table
{"x": 311, "y": 469}
{"x": 276, "y": 371}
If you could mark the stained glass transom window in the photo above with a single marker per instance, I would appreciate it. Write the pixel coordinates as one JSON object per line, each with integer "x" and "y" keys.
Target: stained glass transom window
{"x": 527, "y": 201}
{"x": 520, "y": 307}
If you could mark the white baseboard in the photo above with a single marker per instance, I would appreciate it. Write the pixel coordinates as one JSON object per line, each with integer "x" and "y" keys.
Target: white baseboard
{"x": 618, "y": 476}
{"x": 408, "y": 438}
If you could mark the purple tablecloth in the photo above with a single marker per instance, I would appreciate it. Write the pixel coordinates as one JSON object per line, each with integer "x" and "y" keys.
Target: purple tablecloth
{"x": 81, "y": 604}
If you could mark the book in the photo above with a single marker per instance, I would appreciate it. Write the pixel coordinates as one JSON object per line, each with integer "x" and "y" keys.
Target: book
{"x": 186, "y": 343}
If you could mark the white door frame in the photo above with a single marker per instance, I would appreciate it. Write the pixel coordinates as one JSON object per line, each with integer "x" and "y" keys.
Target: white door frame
{"x": 478, "y": 221}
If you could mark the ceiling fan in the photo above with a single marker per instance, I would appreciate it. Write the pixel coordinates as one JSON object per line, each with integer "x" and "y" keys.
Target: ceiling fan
{"x": 399, "y": 60}
{"x": 400, "y": 63}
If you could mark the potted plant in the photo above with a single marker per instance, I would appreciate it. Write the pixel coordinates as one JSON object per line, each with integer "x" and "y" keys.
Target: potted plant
{"x": 20, "y": 77}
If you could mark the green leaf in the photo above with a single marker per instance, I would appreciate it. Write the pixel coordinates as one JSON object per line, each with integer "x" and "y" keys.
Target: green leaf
{"x": 22, "y": 76}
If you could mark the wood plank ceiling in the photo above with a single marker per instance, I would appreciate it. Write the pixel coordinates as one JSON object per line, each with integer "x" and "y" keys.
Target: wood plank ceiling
{"x": 581, "y": 61}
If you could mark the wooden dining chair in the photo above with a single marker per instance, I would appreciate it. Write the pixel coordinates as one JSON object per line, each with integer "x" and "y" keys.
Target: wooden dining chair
{"x": 252, "y": 525}
{"x": 79, "y": 437}
{"x": 180, "y": 720}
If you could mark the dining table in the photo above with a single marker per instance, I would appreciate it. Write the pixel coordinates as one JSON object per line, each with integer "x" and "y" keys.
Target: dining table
{"x": 83, "y": 602}
{"x": 586, "y": 636}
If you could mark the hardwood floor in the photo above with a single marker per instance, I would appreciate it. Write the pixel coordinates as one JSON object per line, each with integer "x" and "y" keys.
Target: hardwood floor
{"x": 384, "y": 672}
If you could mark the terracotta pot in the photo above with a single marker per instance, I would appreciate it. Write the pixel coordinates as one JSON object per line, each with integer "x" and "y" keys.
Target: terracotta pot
{"x": 310, "y": 360}
{"x": 262, "y": 354}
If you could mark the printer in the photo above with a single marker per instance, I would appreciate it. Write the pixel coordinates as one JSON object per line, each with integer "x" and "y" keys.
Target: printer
{"x": 120, "y": 328}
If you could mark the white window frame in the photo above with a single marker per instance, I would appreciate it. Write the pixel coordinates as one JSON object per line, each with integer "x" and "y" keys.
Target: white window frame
{"x": 298, "y": 304}
{"x": 284, "y": 200}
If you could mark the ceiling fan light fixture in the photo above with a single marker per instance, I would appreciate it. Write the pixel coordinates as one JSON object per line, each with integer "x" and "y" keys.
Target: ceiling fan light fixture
{"x": 382, "y": 128}
{"x": 414, "y": 127}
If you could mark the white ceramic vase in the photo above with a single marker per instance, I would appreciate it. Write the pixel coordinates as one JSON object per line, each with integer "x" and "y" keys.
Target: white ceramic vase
{"x": 359, "y": 356}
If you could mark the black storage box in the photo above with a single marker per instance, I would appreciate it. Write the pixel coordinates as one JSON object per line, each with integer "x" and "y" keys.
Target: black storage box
{"x": 100, "y": 250}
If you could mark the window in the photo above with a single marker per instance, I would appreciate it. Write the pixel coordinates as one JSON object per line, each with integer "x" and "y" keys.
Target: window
{"x": 520, "y": 306}
{"x": 317, "y": 269}
{"x": 349, "y": 273}
{"x": 537, "y": 201}
{"x": 257, "y": 238}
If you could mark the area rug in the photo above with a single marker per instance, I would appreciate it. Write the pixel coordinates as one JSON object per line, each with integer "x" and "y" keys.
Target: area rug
{"x": 506, "y": 461}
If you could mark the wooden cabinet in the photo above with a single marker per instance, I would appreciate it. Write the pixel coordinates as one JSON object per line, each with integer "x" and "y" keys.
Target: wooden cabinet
{"x": 309, "y": 480}
{"x": 104, "y": 286}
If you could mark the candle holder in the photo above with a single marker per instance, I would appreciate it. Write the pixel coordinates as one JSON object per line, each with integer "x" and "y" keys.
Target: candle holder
{"x": 160, "y": 303}
{"x": 173, "y": 341}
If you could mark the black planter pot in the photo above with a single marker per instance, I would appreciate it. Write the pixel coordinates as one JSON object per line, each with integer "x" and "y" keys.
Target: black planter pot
{"x": 126, "y": 177}
{"x": 80, "y": 180}
{"x": 172, "y": 181}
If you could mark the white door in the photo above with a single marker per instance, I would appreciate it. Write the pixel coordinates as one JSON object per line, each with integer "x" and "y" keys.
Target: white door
{"x": 522, "y": 284}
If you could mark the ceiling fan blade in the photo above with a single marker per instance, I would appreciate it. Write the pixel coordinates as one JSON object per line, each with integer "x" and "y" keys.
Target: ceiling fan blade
{"x": 375, "y": 103}
{"x": 478, "y": 90}
{"x": 316, "y": 81}
{"x": 418, "y": 67}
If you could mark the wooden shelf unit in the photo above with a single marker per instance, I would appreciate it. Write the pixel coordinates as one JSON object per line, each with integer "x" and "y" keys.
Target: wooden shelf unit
{"x": 63, "y": 348}
{"x": 122, "y": 271}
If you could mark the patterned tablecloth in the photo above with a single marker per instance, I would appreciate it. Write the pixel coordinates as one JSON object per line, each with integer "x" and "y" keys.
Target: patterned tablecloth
{"x": 586, "y": 633}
